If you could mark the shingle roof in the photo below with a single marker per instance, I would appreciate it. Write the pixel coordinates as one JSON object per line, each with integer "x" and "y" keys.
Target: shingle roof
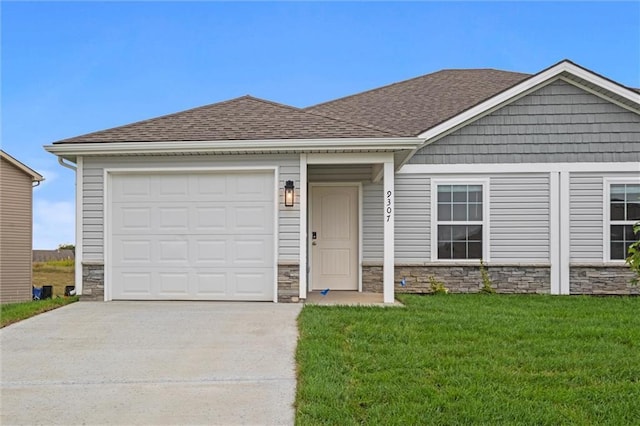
{"x": 413, "y": 106}
{"x": 243, "y": 118}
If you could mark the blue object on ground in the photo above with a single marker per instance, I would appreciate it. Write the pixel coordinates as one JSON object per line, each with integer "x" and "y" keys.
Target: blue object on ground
{"x": 36, "y": 293}
{"x": 324, "y": 292}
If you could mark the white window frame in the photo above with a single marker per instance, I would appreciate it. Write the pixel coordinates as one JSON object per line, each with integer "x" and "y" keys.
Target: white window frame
{"x": 484, "y": 182}
{"x": 606, "y": 215}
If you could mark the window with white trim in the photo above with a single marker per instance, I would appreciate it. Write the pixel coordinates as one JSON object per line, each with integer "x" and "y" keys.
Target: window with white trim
{"x": 624, "y": 212}
{"x": 459, "y": 221}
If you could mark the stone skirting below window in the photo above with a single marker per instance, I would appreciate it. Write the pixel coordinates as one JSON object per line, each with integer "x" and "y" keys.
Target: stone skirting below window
{"x": 584, "y": 279}
{"x": 92, "y": 281}
{"x": 462, "y": 278}
{"x": 608, "y": 279}
{"x": 288, "y": 283}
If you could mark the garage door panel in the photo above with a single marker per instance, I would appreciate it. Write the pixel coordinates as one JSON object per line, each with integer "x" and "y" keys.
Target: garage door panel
{"x": 135, "y": 283}
{"x": 201, "y": 236}
{"x": 174, "y": 252}
{"x": 249, "y": 283}
{"x": 134, "y": 188}
{"x": 212, "y": 284}
{"x": 132, "y": 218}
{"x": 173, "y": 284}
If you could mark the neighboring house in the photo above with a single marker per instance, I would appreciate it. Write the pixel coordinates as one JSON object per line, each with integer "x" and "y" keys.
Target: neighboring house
{"x": 47, "y": 255}
{"x": 538, "y": 175}
{"x": 16, "y": 218}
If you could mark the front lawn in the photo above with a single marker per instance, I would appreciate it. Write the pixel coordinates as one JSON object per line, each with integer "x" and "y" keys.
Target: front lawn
{"x": 471, "y": 359}
{"x": 14, "y": 312}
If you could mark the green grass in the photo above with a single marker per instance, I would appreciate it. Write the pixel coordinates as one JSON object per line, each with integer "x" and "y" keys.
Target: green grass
{"x": 471, "y": 359}
{"x": 14, "y": 312}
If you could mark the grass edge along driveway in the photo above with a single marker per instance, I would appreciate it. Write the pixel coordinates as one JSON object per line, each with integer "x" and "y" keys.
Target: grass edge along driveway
{"x": 13, "y": 312}
{"x": 471, "y": 359}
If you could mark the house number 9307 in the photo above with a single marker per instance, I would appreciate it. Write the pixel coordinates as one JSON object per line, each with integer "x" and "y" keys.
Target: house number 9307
{"x": 388, "y": 209}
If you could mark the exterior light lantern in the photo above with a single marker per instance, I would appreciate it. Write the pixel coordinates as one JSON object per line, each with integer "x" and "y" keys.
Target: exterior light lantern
{"x": 288, "y": 193}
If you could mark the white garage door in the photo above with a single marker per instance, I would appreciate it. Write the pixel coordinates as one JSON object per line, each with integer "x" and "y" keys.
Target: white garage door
{"x": 192, "y": 236}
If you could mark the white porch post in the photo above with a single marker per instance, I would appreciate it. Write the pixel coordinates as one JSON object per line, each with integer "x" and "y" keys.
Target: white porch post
{"x": 389, "y": 240}
{"x": 303, "y": 226}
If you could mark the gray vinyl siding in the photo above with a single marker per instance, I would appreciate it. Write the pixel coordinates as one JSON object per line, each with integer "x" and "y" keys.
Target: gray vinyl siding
{"x": 557, "y": 123}
{"x": 587, "y": 214}
{"x": 93, "y": 199}
{"x": 519, "y": 218}
{"x": 372, "y": 222}
{"x": 15, "y": 233}
{"x": 412, "y": 223}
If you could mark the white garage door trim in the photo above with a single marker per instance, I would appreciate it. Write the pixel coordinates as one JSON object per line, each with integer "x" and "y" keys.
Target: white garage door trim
{"x": 107, "y": 211}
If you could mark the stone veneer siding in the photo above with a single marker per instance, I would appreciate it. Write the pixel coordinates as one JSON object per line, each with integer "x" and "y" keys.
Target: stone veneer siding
{"x": 461, "y": 278}
{"x": 92, "y": 281}
{"x": 288, "y": 283}
{"x": 602, "y": 280}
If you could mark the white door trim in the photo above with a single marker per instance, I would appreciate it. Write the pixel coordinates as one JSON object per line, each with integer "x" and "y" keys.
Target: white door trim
{"x": 360, "y": 213}
{"x": 108, "y": 172}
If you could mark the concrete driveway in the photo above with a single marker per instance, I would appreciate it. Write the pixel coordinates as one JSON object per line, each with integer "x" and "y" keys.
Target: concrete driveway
{"x": 151, "y": 363}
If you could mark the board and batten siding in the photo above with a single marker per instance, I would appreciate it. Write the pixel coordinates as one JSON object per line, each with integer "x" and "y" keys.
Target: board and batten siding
{"x": 412, "y": 221}
{"x": 93, "y": 190}
{"x": 519, "y": 218}
{"x": 372, "y": 222}
{"x": 16, "y": 207}
{"x": 586, "y": 207}
{"x": 556, "y": 123}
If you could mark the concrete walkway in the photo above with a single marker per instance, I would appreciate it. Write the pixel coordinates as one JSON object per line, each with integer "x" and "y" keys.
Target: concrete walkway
{"x": 151, "y": 363}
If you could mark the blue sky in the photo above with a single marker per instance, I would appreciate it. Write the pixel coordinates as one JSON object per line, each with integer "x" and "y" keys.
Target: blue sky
{"x": 76, "y": 67}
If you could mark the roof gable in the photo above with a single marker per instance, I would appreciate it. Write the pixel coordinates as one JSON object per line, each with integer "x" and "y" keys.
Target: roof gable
{"x": 243, "y": 118}
{"x": 565, "y": 70}
{"x": 35, "y": 176}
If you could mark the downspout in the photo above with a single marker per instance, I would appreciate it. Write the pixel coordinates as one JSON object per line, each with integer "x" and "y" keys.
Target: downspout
{"x": 68, "y": 166}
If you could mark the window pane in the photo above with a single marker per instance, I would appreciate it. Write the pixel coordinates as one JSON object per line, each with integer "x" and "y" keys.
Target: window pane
{"x": 475, "y": 193}
{"x": 444, "y": 211}
{"x": 459, "y": 250}
{"x": 617, "y": 192}
{"x": 633, "y": 193}
{"x": 460, "y": 193}
{"x": 444, "y": 233}
{"x": 633, "y": 211}
{"x": 626, "y": 248}
{"x": 459, "y": 233}
{"x": 617, "y": 232}
{"x": 475, "y": 233}
{"x": 444, "y": 251}
{"x": 475, "y": 250}
{"x": 475, "y": 211}
{"x": 617, "y": 250}
{"x": 460, "y": 212}
{"x": 617, "y": 211}
{"x": 629, "y": 235}
{"x": 444, "y": 192}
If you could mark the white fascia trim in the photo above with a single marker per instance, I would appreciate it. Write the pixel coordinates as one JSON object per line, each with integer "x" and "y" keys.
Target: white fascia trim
{"x": 522, "y": 88}
{"x": 350, "y": 158}
{"x": 297, "y": 145}
{"x": 631, "y": 166}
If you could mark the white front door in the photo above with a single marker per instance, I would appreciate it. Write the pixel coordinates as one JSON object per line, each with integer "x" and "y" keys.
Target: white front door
{"x": 334, "y": 237}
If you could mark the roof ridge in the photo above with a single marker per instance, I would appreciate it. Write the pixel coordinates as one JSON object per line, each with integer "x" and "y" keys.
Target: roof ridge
{"x": 375, "y": 89}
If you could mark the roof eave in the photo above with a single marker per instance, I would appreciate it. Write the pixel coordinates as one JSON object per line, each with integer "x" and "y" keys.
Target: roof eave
{"x": 70, "y": 151}
{"x": 530, "y": 84}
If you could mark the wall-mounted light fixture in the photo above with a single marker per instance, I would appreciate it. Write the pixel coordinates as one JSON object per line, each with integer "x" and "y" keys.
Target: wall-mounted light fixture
{"x": 288, "y": 193}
